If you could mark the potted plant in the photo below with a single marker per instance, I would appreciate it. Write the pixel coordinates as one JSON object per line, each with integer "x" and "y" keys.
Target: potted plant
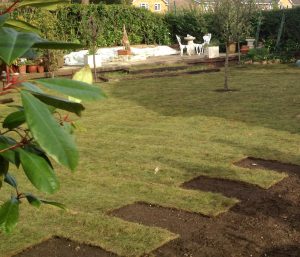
{"x": 244, "y": 49}
{"x": 232, "y": 47}
{"x": 88, "y": 59}
{"x": 212, "y": 50}
{"x": 250, "y": 42}
{"x": 31, "y": 66}
{"x": 40, "y": 65}
{"x": 21, "y": 63}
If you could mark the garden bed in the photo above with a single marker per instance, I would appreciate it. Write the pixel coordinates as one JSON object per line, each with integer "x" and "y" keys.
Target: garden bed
{"x": 265, "y": 222}
{"x": 62, "y": 247}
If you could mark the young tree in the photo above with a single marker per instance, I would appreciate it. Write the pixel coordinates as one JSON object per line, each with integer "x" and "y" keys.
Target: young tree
{"x": 233, "y": 20}
{"x": 36, "y": 133}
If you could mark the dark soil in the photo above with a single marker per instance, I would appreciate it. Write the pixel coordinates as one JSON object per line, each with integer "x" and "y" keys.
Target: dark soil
{"x": 160, "y": 69}
{"x": 172, "y": 74}
{"x": 257, "y": 163}
{"x": 222, "y": 90}
{"x": 266, "y": 223}
{"x": 61, "y": 247}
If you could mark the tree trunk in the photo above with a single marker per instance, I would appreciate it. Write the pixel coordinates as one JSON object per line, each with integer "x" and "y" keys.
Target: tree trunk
{"x": 95, "y": 68}
{"x": 85, "y": 1}
{"x": 239, "y": 50}
{"x": 226, "y": 70}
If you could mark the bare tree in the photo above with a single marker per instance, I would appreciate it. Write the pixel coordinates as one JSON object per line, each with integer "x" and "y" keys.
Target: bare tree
{"x": 233, "y": 19}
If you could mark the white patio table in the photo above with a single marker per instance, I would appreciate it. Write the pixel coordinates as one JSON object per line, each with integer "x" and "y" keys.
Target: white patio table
{"x": 190, "y": 42}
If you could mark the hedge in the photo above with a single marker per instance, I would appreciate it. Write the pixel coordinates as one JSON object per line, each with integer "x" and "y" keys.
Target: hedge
{"x": 290, "y": 39}
{"x": 145, "y": 27}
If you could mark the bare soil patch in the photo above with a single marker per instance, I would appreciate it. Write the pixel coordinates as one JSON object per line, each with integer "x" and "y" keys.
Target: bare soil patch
{"x": 171, "y": 74}
{"x": 160, "y": 69}
{"x": 222, "y": 90}
{"x": 62, "y": 247}
{"x": 264, "y": 223}
{"x": 258, "y": 163}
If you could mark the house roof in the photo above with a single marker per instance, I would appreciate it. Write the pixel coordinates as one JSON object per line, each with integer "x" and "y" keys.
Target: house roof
{"x": 295, "y": 2}
{"x": 188, "y": 3}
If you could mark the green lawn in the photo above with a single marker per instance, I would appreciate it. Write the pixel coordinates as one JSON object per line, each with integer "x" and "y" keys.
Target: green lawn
{"x": 183, "y": 127}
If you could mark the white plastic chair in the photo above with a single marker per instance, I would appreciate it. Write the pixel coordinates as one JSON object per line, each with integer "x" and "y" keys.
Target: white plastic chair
{"x": 207, "y": 38}
{"x": 199, "y": 48}
{"x": 182, "y": 47}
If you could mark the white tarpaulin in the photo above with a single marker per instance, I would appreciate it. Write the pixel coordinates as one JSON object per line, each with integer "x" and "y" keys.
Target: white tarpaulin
{"x": 109, "y": 54}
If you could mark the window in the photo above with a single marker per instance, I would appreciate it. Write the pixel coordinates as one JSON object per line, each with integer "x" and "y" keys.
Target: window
{"x": 157, "y": 7}
{"x": 144, "y": 5}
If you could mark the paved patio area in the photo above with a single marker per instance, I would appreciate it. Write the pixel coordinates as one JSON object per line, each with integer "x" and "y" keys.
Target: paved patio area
{"x": 126, "y": 64}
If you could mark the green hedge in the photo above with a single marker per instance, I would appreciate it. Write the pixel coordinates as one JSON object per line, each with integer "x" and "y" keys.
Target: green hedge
{"x": 290, "y": 39}
{"x": 197, "y": 24}
{"x": 143, "y": 26}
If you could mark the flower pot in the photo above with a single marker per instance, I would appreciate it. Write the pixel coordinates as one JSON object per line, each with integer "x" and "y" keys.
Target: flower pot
{"x": 14, "y": 78}
{"x": 41, "y": 69}
{"x": 124, "y": 52}
{"x": 22, "y": 69}
{"x": 88, "y": 60}
{"x": 250, "y": 42}
{"x": 232, "y": 48}
{"x": 213, "y": 51}
{"x": 32, "y": 68}
{"x": 244, "y": 49}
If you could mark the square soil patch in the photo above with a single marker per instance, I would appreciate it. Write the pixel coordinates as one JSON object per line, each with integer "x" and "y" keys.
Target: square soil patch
{"x": 62, "y": 247}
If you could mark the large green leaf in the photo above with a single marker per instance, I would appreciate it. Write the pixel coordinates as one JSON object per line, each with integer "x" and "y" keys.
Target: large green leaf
{"x": 52, "y": 138}
{"x": 60, "y": 103}
{"x": 31, "y": 87}
{"x": 14, "y": 119}
{"x": 45, "y": 44}
{"x": 3, "y": 19}
{"x": 84, "y": 75}
{"x": 9, "y": 215}
{"x": 4, "y": 164}
{"x": 21, "y": 26}
{"x": 77, "y": 89}
{"x": 10, "y": 155}
{"x": 33, "y": 200}
{"x": 14, "y": 44}
{"x": 38, "y": 171}
{"x": 10, "y": 179}
{"x": 59, "y": 205}
{"x": 42, "y": 3}
{"x": 38, "y": 151}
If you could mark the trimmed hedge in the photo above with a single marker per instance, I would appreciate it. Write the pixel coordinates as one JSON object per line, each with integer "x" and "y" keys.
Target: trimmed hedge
{"x": 143, "y": 26}
{"x": 290, "y": 39}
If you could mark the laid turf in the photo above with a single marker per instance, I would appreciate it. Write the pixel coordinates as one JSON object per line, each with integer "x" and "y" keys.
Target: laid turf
{"x": 149, "y": 137}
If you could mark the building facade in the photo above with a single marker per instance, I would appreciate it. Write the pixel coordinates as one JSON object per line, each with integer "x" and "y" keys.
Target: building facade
{"x": 288, "y": 3}
{"x": 159, "y": 6}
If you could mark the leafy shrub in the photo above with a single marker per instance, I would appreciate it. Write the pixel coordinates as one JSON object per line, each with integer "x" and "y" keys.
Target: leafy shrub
{"x": 258, "y": 54}
{"x": 186, "y": 22}
{"x": 291, "y": 33}
{"x": 142, "y": 25}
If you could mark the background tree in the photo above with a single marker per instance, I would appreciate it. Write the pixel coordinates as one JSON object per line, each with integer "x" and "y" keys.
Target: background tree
{"x": 233, "y": 21}
{"x": 34, "y": 132}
